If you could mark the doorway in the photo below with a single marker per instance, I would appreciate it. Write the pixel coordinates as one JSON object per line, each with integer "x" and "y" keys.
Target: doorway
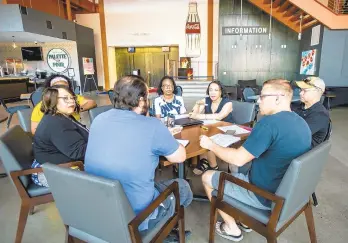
{"x": 152, "y": 62}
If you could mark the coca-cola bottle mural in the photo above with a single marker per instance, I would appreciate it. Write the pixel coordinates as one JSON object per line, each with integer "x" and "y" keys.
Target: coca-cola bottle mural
{"x": 193, "y": 32}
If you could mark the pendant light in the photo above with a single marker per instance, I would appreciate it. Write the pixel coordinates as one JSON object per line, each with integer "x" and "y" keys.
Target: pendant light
{"x": 300, "y": 34}
{"x": 241, "y": 17}
{"x": 14, "y": 43}
{"x": 270, "y": 22}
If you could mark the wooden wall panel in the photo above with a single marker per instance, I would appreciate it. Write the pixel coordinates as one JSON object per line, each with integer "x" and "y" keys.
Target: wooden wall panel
{"x": 255, "y": 56}
{"x": 47, "y": 6}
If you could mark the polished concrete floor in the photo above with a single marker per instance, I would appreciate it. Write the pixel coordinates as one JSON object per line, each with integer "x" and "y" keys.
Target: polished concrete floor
{"x": 331, "y": 216}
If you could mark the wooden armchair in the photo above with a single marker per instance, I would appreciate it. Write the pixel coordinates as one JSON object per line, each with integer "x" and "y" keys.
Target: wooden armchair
{"x": 103, "y": 212}
{"x": 16, "y": 155}
{"x": 290, "y": 200}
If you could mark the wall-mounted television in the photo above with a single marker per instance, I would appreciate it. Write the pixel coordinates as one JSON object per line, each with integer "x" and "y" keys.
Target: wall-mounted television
{"x": 131, "y": 49}
{"x": 32, "y": 54}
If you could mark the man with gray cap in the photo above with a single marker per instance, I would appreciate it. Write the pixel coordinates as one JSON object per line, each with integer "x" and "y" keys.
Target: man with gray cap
{"x": 312, "y": 110}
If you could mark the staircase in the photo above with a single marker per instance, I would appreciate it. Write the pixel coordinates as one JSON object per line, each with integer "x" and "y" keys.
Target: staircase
{"x": 193, "y": 88}
{"x": 312, "y": 12}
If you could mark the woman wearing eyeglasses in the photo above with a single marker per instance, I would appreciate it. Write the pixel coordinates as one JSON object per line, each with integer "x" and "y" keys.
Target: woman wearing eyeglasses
{"x": 214, "y": 107}
{"x": 58, "y": 79}
{"x": 59, "y": 138}
{"x": 168, "y": 102}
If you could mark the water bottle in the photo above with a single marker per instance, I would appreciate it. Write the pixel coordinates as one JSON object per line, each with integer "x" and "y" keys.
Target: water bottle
{"x": 171, "y": 120}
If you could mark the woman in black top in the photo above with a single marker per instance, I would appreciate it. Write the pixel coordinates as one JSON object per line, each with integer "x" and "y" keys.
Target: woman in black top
{"x": 59, "y": 138}
{"x": 214, "y": 107}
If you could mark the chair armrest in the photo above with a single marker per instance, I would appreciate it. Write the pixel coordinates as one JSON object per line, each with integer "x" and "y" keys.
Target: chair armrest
{"x": 173, "y": 188}
{"x": 227, "y": 177}
{"x": 18, "y": 184}
{"x": 279, "y": 201}
{"x": 19, "y": 173}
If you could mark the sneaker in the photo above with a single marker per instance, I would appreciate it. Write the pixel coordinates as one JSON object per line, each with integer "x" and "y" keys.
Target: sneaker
{"x": 221, "y": 231}
{"x": 173, "y": 236}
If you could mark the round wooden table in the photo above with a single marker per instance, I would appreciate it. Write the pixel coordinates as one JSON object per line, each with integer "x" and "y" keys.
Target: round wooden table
{"x": 193, "y": 149}
{"x": 3, "y": 114}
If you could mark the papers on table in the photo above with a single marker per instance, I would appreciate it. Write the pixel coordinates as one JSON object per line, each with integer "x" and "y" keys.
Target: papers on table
{"x": 209, "y": 122}
{"x": 183, "y": 142}
{"x": 224, "y": 140}
{"x": 238, "y": 129}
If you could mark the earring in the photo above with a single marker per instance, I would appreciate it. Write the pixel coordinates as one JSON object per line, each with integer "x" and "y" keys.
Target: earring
{"x": 277, "y": 101}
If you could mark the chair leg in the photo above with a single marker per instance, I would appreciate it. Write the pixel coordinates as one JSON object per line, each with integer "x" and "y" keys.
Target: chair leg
{"x": 182, "y": 225}
{"x": 22, "y": 221}
{"x": 68, "y": 238}
{"x": 9, "y": 120}
{"x": 271, "y": 239}
{"x": 213, "y": 218}
{"x": 310, "y": 223}
{"x": 315, "y": 200}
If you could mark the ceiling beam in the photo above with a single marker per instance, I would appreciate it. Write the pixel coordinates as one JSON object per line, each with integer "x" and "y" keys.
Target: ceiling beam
{"x": 267, "y": 1}
{"x": 296, "y": 16}
{"x": 283, "y": 7}
{"x": 68, "y": 9}
{"x": 84, "y": 4}
{"x": 309, "y": 24}
{"x": 290, "y": 11}
{"x": 276, "y": 3}
{"x": 305, "y": 19}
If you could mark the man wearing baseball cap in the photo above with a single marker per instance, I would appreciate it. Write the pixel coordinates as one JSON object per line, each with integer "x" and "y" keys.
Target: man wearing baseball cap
{"x": 312, "y": 110}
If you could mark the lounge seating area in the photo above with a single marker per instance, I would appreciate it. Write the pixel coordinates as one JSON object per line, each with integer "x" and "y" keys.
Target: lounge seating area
{"x": 49, "y": 220}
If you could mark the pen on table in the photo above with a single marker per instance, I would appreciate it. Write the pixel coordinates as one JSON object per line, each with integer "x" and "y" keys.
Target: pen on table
{"x": 204, "y": 128}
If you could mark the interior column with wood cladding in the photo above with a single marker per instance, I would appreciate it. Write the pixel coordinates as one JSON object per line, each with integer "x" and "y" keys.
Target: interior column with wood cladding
{"x": 68, "y": 9}
{"x": 4, "y": 1}
{"x": 104, "y": 44}
{"x": 210, "y": 34}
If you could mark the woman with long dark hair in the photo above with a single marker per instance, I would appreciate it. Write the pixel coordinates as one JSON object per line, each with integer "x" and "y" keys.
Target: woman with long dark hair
{"x": 214, "y": 107}
{"x": 59, "y": 138}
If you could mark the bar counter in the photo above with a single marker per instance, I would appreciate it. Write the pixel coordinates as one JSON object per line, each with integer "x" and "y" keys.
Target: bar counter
{"x": 12, "y": 87}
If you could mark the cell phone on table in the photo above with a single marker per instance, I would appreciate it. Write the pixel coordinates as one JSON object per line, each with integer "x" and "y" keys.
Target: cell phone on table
{"x": 230, "y": 132}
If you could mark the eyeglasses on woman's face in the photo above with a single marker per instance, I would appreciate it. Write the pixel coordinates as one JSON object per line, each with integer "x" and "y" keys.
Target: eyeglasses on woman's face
{"x": 167, "y": 86}
{"x": 68, "y": 99}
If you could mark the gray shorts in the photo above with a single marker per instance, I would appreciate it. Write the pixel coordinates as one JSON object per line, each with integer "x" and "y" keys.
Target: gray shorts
{"x": 237, "y": 192}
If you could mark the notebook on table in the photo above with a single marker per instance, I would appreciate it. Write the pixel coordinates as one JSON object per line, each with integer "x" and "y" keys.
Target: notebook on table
{"x": 187, "y": 122}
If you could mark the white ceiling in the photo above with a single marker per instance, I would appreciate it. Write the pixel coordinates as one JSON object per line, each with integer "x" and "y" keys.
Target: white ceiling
{"x": 27, "y": 37}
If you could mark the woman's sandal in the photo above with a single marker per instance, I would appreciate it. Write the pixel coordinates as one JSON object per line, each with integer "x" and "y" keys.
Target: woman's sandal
{"x": 244, "y": 227}
{"x": 219, "y": 226}
{"x": 203, "y": 166}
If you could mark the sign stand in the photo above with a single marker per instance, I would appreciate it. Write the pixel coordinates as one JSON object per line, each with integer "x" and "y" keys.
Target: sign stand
{"x": 88, "y": 70}
{"x": 89, "y": 77}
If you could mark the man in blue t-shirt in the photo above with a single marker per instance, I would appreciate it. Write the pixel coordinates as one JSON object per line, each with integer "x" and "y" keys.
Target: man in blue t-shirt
{"x": 125, "y": 145}
{"x": 278, "y": 138}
